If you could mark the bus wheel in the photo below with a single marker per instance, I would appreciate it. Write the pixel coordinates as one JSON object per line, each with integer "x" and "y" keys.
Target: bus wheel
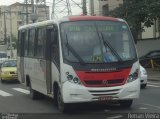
{"x": 34, "y": 94}
{"x": 143, "y": 86}
{"x": 126, "y": 103}
{"x": 62, "y": 107}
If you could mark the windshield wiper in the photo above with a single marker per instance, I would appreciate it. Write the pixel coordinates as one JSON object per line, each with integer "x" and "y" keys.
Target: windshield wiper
{"x": 106, "y": 43}
{"x": 72, "y": 50}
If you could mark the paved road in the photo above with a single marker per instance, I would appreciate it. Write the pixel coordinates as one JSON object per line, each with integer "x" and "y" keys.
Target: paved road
{"x": 14, "y": 98}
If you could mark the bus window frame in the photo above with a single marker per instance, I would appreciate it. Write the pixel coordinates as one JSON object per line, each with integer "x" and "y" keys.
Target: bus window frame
{"x": 36, "y": 43}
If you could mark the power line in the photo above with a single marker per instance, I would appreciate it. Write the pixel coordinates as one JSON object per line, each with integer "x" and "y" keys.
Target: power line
{"x": 68, "y": 6}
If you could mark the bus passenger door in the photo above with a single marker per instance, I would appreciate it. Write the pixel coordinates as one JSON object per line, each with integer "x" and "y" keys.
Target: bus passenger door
{"x": 52, "y": 73}
{"x": 20, "y": 58}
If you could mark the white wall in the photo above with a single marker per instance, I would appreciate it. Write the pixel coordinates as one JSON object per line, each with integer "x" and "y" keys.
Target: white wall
{"x": 145, "y": 46}
{"x": 148, "y": 33}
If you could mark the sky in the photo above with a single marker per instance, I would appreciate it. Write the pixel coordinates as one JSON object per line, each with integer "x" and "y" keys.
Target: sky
{"x": 75, "y": 9}
{"x": 8, "y": 2}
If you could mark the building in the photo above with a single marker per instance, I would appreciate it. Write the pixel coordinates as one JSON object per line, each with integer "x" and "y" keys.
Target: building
{"x": 101, "y": 7}
{"x": 17, "y": 14}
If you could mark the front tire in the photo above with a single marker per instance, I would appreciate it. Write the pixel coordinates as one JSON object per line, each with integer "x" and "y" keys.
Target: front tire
{"x": 62, "y": 107}
{"x": 143, "y": 86}
{"x": 126, "y": 103}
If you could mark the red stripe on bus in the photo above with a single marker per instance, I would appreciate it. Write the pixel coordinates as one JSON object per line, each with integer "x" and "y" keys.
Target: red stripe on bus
{"x": 81, "y": 18}
{"x": 103, "y": 76}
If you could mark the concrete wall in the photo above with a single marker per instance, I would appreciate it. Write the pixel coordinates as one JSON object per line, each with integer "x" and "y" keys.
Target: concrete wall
{"x": 145, "y": 46}
{"x": 148, "y": 33}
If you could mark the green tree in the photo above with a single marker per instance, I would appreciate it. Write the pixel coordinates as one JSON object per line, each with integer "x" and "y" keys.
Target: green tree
{"x": 136, "y": 12}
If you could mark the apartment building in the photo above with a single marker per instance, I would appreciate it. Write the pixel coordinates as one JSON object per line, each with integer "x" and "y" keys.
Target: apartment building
{"x": 17, "y": 14}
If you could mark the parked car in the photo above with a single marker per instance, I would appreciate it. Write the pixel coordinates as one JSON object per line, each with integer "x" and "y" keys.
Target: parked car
{"x": 154, "y": 55}
{"x": 143, "y": 77}
{"x": 8, "y": 70}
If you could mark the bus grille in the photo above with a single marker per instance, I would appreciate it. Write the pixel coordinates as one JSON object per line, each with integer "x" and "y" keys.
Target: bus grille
{"x": 104, "y": 83}
{"x": 111, "y": 92}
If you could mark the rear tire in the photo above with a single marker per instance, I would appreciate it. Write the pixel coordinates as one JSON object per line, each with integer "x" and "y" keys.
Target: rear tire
{"x": 34, "y": 94}
{"x": 126, "y": 103}
{"x": 143, "y": 86}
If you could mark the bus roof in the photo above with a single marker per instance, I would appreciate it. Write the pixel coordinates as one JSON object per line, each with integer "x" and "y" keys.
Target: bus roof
{"x": 81, "y": 18}
{"x": 70, "y": 18}
{"x": 37, "y": 24}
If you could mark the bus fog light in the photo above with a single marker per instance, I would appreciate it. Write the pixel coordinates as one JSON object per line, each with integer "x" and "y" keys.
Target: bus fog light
{"x": 69, "y": 77}
{"x": 75, "y": 80}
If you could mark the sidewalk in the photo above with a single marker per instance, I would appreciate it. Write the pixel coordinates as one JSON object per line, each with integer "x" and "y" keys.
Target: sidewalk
{"x": 153, "y": 74}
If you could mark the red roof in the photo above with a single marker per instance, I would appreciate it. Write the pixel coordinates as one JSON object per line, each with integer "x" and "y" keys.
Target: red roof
{"x": 81, "y": 18}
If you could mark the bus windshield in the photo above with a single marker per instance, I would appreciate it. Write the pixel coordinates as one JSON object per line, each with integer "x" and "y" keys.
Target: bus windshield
{"x": 97, "y": 41}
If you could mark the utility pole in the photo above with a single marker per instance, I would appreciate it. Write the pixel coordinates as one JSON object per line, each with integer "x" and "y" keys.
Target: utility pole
{"x": 10, "y": 13}
{"x": 27, "y": 12}
{"x": 33, "y": 12}
{"x": 45, "y": 5}
{"x": 68, "y": 7}
{"x": 1, "y": 23}
{"x": 92, "y": 7}
{"x": 5, "y": 29}
{"x": 84, "y": 8}
{"x": 53, "y": 10}
{"x": 65, "y": 7}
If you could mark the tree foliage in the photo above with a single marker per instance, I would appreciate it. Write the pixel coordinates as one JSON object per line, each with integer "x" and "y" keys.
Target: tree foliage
{"x": 136, "y": 12}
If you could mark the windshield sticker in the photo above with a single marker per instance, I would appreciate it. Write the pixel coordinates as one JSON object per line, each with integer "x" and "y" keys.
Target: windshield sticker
{"x": 92, "y": 28}
{"x": 124, "y": 27}
{"x": 97, "y": 58}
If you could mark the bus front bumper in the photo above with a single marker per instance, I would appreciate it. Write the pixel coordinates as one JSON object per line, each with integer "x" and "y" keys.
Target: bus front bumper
{"x": 74, "y": 93}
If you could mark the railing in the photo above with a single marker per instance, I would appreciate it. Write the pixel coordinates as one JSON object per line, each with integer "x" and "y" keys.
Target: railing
{"x": 153, "y": 64}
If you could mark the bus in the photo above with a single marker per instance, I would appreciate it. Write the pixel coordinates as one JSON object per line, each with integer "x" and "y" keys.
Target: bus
{"x": 78, "y": 59}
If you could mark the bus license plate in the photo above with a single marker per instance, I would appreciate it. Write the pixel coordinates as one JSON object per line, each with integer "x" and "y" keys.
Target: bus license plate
{"x": 105, "y": 98}
{"x": 14, "y": 76}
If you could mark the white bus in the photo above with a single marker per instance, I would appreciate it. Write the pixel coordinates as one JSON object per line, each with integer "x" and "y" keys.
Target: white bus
{"x": 79, "y": 59}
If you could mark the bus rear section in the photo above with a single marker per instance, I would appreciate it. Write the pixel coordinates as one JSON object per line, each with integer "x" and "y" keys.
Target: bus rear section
{"x": 99, "y": 61}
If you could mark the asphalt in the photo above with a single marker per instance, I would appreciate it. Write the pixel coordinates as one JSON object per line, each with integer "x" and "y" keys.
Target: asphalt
{"x": 153, "y": 74}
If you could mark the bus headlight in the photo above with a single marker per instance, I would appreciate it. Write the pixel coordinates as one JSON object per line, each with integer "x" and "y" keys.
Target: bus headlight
{"x": 133, "y": 76}
{"x": 73, "y": 79}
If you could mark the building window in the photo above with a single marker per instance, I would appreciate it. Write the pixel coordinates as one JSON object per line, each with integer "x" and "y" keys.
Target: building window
{"x": 31, "y": 42}
{"x": 105, "y": 10}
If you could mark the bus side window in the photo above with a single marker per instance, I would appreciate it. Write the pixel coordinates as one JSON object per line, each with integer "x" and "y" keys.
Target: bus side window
{"x": 40, "y": 43}
{"x": 31, "y": 40}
